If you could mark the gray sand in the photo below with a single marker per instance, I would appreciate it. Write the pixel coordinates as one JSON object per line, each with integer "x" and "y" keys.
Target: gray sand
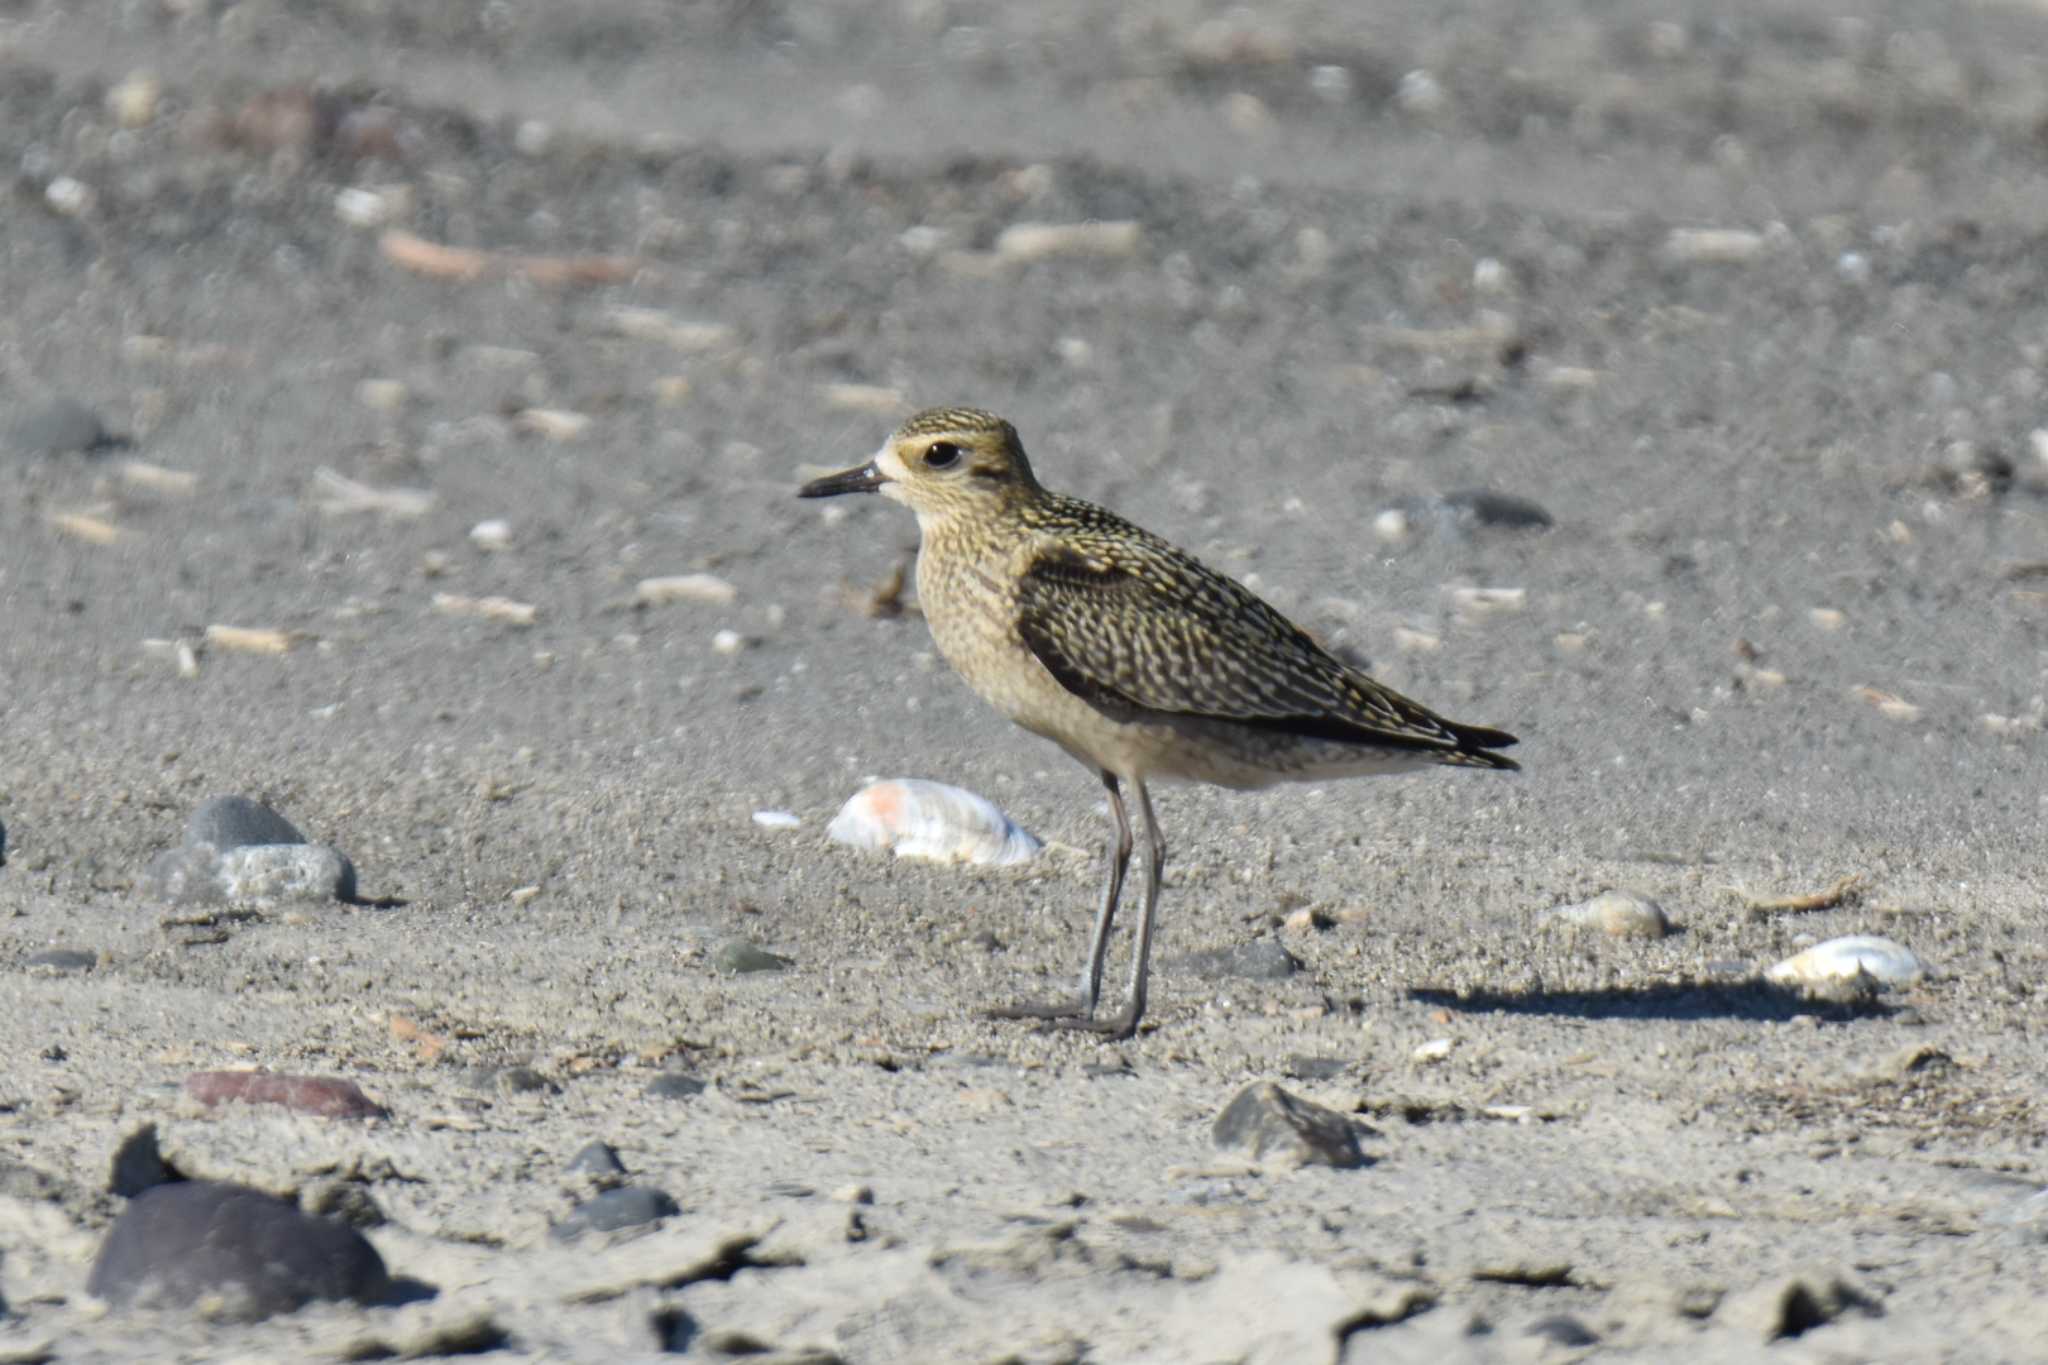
{"x": 1782, "y": 631}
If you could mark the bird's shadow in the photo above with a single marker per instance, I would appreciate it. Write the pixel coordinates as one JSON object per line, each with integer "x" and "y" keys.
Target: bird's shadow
{"x": 1749, "y": 999}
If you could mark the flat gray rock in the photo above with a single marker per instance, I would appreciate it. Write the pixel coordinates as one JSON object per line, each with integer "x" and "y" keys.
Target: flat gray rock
{"x": 629, "y": 1206}
{"x": 1267, "y": 1123}
{"x": 238, "y": 1252}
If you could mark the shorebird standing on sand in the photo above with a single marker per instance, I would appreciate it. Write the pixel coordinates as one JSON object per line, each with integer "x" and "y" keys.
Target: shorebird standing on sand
{"x": 1129, "y": 654}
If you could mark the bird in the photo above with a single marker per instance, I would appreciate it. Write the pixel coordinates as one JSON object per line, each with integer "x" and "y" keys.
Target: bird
{"x": 1130, "y": 654}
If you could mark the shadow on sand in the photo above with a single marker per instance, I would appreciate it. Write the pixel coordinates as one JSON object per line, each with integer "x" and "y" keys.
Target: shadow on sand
{"x": 1758, "y": 1001}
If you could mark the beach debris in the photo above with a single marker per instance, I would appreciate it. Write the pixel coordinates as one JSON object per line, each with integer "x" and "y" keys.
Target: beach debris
{"x": 1042, "y": 241}
{"x": 1433, "y": 1051}
{"x": 1477, "y": 605}
{"x": 155, "y": 478}
{"x": 777, "y": 819}
{"x": 1887, "y": 704}
{"x": 651, "y": 324}
{"x": 917, "y": 818}
{"x": 871, "y": 398}
{"x": 236, "y": 1252}
{"x": 1845, "y": 890}
{"x": 1844, "y": 959}
{"x": 1272, "y": 1125}
{"x": 1615, "y": 913}
{"x": 554, "y": 424}
{"x": 503, "y": 609}
{"x": 688, "y": 587}
{"x": 250, "y": 639}
{"x": 493, "y": 534}
{"x": 1715, "y": 246}
{"x": 468, "y": 265}
{"x": 336, "y": 493}
{"x": 90, "y": 527}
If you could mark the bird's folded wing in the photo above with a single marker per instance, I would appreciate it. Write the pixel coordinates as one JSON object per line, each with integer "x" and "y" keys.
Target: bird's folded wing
{"x": 1161, "y": 632}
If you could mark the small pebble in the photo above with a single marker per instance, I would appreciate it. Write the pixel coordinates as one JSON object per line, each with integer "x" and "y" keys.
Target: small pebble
{"x": 777, "y": 819}
{"x": 1618, "y": 914}
{"x": 674, "y": 1085}
{"x": 598, "y": 1158}
{"x": 1265, "y": 1122}
{"x": 728, "y": 642}
{"x": 62, "y": 961}
{"x": 1435, "y": 1050}
{"x": 741, "y": 957}
{"x": 495, "y": 534}
{"x": 240, "y": 1253}
{"x": 930, "y": 820}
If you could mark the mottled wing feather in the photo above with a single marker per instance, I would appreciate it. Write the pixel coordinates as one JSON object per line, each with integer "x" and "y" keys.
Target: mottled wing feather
{"x": 1126, "y": 620}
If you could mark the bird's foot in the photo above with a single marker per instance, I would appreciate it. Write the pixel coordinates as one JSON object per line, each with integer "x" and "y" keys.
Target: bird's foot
{"x": 1074, "y": 1011}
{"x": 1119, "y": 1026}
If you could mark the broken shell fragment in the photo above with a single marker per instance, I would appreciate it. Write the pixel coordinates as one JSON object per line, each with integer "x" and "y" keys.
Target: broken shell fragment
{"x": 930, "y": 820}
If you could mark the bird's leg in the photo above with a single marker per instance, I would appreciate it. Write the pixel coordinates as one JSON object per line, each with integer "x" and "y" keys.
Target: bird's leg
{"x": 1098, "y": 947}
{"x": 1124, "y": 1023}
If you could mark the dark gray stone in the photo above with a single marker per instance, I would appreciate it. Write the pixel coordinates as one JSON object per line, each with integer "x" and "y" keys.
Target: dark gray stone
{"x": 597, "y": 1158}
{"x": 738, "y": 955}
{"x": 674, "y": 1085}
{"x": 246, "y": 1255}
{"x": 139, "y": 1165}
{"x": 235, "y": 821}
{"x": 629, "y": 1206}
{"x": 1266, "y": 1122}
{"x": 62, "y": 427}
{"x": 1263, "y": 959}
{"x": 64, "y": 961}
{"x": 1457, "y": 515}
{"x": 1484, "y": 507}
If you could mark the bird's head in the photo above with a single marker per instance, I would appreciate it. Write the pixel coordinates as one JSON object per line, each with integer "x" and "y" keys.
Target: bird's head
{"x": 941, "y": 463}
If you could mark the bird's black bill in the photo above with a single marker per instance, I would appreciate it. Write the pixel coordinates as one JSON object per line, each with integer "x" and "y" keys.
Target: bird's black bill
{"x": 865, "y": 479}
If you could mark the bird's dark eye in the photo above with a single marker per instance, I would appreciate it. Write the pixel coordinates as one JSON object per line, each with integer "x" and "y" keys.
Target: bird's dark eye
{"x": 941, "y": 455}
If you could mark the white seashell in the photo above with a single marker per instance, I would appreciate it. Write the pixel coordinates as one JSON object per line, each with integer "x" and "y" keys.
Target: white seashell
{"x": 1841, "y": 959}
{"x": 920, "y": 819}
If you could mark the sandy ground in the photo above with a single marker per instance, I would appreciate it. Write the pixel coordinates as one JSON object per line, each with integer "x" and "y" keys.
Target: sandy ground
{"x": 1788, "y": 627}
